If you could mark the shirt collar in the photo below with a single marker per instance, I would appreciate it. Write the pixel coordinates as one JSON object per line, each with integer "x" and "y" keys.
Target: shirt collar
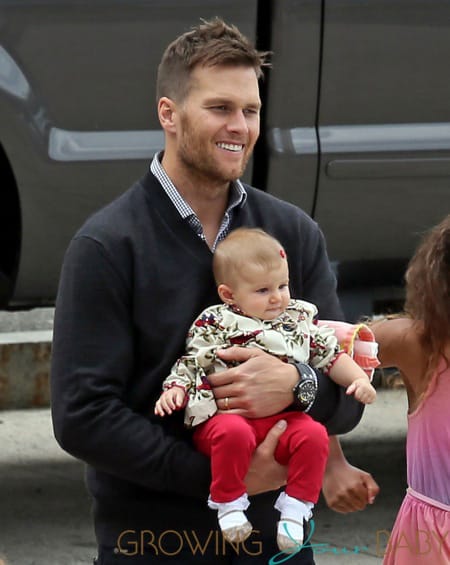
{"x": 238, "y": 194}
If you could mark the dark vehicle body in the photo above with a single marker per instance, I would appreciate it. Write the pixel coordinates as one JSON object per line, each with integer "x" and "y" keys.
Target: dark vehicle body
{"x": 355, "y": 127}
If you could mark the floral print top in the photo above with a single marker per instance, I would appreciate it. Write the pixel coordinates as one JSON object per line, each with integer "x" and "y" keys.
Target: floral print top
{"x": 292, "y": 336}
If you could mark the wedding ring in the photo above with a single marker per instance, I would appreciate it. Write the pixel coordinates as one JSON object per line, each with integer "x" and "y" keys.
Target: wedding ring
{"x": 226, "y": 403}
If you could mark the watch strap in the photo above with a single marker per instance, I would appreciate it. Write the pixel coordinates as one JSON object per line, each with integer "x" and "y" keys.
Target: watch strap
{"x": 305, "y": 389}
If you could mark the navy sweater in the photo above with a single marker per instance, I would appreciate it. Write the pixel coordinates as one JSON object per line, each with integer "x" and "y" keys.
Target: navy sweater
{"x": 133, "y": 279}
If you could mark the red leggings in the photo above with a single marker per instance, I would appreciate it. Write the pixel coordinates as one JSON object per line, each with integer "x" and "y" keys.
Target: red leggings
{"x": 230, "y": 441}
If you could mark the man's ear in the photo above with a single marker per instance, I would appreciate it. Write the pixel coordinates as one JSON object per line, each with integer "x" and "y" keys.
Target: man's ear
{"x": 167, "y": 113}
{"x": 225, "y": 293}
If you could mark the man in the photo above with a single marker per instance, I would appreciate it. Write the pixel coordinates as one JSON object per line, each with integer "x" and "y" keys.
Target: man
{"x": 134, "y": 278}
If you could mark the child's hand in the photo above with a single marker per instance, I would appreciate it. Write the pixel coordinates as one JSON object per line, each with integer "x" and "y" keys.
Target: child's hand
{"x": 170, "y": 400}
{"x": 362, "y": 390}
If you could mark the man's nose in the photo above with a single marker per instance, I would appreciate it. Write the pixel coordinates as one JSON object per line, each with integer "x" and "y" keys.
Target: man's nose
{"x": 238, "y": 121}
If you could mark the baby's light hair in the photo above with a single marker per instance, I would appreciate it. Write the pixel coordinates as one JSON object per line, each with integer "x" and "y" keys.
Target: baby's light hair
{"x": 242, "y": 248}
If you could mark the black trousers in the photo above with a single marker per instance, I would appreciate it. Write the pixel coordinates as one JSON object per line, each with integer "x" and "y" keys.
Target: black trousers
{"x": 177, "y": 530}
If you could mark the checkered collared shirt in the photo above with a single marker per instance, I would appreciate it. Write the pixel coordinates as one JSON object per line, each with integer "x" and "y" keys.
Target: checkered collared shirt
{"x": 238, "y": 197}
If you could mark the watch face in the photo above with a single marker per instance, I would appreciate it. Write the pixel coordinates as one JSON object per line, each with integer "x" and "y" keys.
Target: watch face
{"x": 306, "y": 391}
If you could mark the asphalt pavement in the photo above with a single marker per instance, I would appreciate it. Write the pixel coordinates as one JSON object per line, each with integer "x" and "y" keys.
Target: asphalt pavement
{"x": 45, "y": 511}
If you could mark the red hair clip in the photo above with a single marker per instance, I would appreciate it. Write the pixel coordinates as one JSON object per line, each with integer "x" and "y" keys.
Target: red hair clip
{"x": 282, "y": 253}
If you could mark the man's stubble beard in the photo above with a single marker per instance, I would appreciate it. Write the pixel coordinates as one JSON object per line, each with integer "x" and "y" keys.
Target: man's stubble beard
{"x": 195, "y": 155}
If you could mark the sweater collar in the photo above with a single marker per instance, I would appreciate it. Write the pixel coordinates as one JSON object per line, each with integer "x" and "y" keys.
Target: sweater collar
{"x": 238, "y": 197}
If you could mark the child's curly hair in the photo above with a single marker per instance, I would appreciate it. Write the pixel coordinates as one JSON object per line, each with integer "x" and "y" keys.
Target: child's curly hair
{"x": 428, "y": 288}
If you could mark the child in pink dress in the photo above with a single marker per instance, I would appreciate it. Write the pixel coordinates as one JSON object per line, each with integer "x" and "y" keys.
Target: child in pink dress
{"x": 419, "y": 345}
{"x": 252, "y": 275}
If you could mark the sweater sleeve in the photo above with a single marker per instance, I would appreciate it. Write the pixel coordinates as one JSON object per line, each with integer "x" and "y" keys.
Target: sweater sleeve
{"x": 318, "y": 279}
{"x": 92, "y": 365}
{"x": 338, "y": 411}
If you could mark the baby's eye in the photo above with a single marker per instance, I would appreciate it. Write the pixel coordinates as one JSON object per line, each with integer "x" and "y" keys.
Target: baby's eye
{"x": 262, "y": 290}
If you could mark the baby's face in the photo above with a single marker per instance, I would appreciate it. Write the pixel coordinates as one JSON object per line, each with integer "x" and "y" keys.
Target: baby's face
{"x": 263, "y": 294}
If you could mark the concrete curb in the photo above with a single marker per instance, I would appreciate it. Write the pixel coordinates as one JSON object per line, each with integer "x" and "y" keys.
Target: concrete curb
{"x": 25, "y": 358}
{"x": 25, "y": 369}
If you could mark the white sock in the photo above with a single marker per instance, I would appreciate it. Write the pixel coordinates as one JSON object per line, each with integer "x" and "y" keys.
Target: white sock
{"x": 232, "y": 519}
{"x": 289, "y": 534}
{"x": 290, "y": 527}
{"x": 293, "y": 508}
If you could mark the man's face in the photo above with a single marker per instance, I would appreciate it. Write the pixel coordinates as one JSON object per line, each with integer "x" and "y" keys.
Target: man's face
{"x": 219, "y": 122}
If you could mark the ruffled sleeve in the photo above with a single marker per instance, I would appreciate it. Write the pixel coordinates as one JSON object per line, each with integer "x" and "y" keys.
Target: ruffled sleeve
{"x": 358, "y": 341}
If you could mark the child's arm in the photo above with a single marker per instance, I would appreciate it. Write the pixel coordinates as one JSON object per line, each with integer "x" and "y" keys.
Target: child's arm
{"x": 172, "y": 399}
{"x": 347, "y": 373}
{"x": 401, "y": 346}
{"x": 358, "y": 341}
{"x": 191, "y": 369}
{"x": 396, "y": 339}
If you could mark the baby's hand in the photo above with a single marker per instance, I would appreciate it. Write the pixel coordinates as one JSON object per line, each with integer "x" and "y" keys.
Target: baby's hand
{"x": 170, "y": 400}
{"x": 362, "y": 390}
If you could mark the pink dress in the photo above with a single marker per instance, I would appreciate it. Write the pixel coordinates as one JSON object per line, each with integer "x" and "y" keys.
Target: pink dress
{"x": 421, "y": 533}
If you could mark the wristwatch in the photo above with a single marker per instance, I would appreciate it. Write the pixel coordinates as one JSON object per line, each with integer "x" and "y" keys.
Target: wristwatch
{"x": 306, "y": 388}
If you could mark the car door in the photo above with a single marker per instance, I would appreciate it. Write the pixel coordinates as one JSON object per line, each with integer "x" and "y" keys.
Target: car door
{"x": 384, "y": 129}
{"x": 78, "y": 114}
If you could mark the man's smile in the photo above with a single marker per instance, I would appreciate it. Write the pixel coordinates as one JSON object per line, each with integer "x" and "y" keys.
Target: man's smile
{"x": 234, "y": 147}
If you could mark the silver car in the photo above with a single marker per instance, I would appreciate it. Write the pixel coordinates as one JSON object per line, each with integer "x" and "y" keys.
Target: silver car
{"x": 355, "y": 127}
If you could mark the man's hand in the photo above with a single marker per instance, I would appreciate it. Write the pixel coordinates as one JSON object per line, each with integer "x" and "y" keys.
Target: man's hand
{"x": 261, "y": 385}
{"x": 346, "y": 488}
{"x": 264, "y": 473}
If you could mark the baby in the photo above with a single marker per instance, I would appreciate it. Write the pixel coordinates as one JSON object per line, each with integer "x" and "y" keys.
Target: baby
{"x": 252, "y": 276}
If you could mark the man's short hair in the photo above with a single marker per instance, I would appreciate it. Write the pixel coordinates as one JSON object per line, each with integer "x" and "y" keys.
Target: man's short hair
{"x": 208, "y": 44}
